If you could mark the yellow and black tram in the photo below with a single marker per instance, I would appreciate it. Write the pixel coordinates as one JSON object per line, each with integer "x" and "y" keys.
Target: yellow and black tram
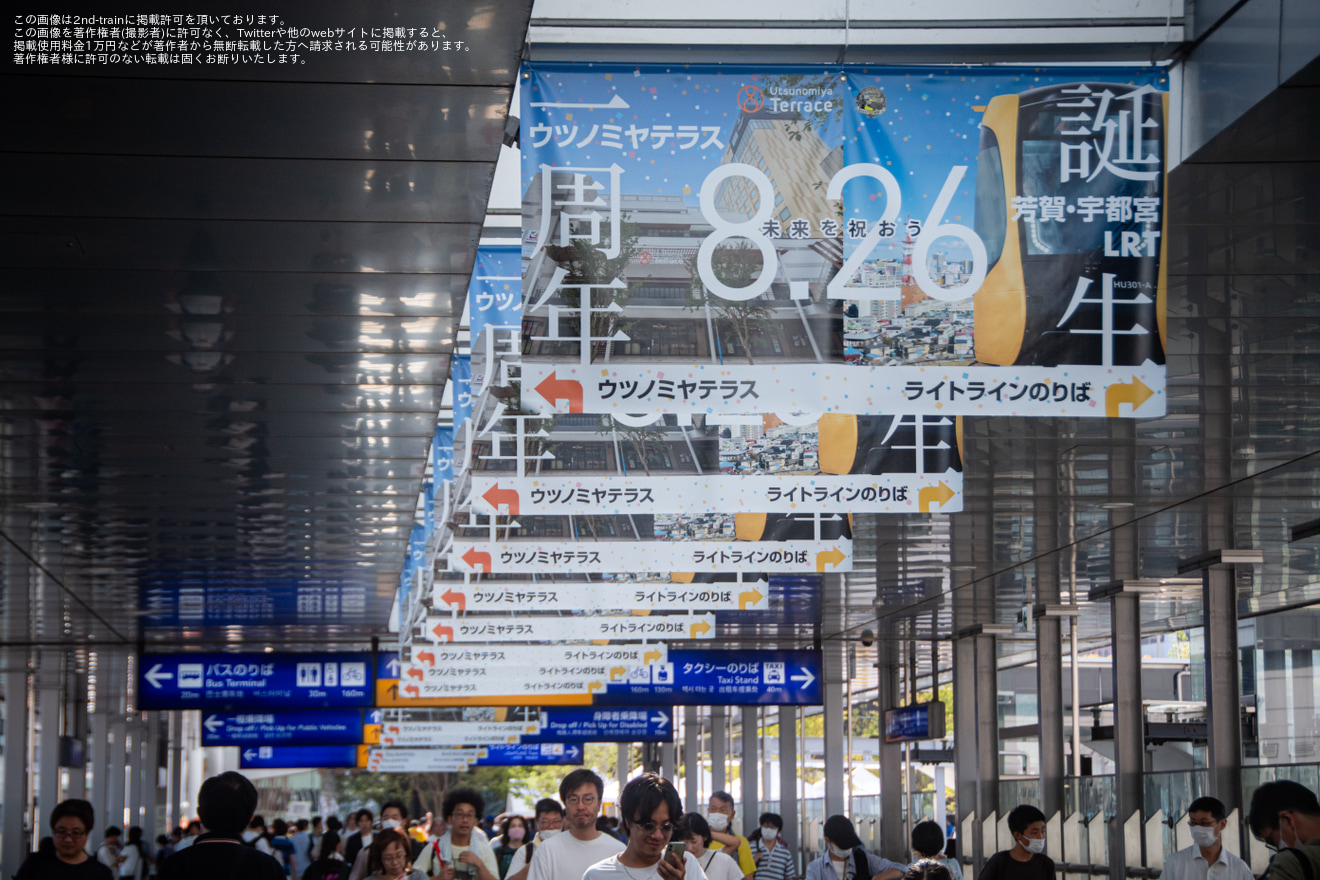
{"x": 1070, "y": 183}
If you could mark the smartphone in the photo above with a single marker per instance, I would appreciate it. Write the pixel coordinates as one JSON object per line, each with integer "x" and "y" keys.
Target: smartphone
{"x": 674, "y": 852}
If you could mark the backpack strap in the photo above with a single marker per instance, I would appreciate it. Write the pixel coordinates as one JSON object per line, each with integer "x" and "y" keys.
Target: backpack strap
{"x": 1304, "y": 860}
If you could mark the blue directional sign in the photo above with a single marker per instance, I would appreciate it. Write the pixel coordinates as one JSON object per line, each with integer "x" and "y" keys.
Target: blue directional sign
{"x": 287, "y": 757}
{"x": 256, "y": 593}
{"x": 914, "y": 723}
{"x": 592, "y": 724}
{"x": 531, "y": 755}
{"x": 255, "y": 681}
{"x": 721, "y": 678}
{"x": 306, "y": 727}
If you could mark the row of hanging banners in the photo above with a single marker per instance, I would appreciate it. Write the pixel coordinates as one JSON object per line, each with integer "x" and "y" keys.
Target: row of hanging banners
{"x": 751, "y": 302}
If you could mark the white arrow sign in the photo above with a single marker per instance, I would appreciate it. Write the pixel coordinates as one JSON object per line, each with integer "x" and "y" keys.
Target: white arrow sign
{"x": 250, "y": 754}
{"x": 485, "y": 630}
{"x": 661, "y": 721}
{"x": 213, "y": 723}
{"x": 529, "y": 656}
{"x": 806, "y": 677}
{"x": 605, "y": 557}
{"x": 455, "y": 733}
{"x": 675, "y": 493}
{"x": 638, "y": 596}
{"x": 155, "y": 676}
{"x": 437, "y": 760}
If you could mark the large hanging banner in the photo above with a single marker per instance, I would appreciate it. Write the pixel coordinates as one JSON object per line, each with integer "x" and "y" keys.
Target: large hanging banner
{"x": 749, "y": 240}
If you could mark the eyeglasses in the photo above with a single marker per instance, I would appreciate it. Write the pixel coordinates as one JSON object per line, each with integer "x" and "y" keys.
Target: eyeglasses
{"x": 585, "y": 800}
{"x": 666, "y": 829}
{"x": 72, "y": 833}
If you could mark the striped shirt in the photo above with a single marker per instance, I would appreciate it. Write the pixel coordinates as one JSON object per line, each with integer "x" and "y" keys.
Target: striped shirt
{"x": 776, "y": 864}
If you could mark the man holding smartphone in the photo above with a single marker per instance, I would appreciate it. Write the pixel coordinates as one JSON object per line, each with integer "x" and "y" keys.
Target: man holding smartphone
{"x": 651, "y": 810}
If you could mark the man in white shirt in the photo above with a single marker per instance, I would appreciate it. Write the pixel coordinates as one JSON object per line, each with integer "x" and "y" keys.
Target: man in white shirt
{"x": 1206, "y": 858}
{"x": 460, "y": 853}
{"x": 651, "y": 812}
{"x": 567, "y": 856}
{"x": 549, "y": 822}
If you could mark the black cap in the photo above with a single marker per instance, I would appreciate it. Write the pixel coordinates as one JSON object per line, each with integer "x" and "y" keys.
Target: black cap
{"x": 841, "y": 833}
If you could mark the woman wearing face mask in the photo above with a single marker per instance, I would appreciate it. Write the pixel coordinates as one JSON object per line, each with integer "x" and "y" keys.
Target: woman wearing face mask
{"x": 1027, "y": 859}
{"x": 716, "y": 865}
{"x": 845, "y": 859}
{"x": 770, "y": 850}
{"x": 513, "y": 834}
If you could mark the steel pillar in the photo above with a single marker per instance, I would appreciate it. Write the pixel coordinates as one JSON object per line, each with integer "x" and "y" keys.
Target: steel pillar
{"x": 1049, "y": 694}
{"x": 48, "y": 751}
{"x": 150, "y": 775}
{"x": 1129, "y": 728}
{"x": 692, "y": 759}
{"x": 835, "y": 769}
{"x": 788, "y": 771}
{"x": 976, "y": 735}
{"x": 891, "y": 754}
{"x": 114, "y": 771}
{"x": 718, "y": 749}
{"x": 749, "y": 770}
{"x": 13, "y": 841}
{"x": 1223, "y": 685}
{"x": 175, "y": 722}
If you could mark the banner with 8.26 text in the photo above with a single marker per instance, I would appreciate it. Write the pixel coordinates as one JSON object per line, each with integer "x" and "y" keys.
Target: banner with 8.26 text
{"x": 798, "y": 241}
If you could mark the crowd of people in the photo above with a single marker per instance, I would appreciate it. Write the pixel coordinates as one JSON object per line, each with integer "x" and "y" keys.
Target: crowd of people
{"x": 568, "y": 839}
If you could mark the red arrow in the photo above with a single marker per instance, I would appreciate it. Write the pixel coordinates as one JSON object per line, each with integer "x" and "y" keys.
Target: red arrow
{"x": 416, "y": 673}
{"x": 474, "y": 558}
{"x": 495, "y": 496}
{"x": 412, "y": 689}
{"x": 393, "y": 730}
{"x": 426, "y": 657}
{"x": 452, "y": 598}
{"x": 443, "y": 633}
{"x": 554, "y": 389}
{"x": 389, "y": 740}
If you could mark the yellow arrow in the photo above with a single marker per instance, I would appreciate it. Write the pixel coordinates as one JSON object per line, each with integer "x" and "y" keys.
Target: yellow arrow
{"x": 1135, "y": 392}
{"x": 927, "y": 497}
{"x": 834, "y": 556}
{"x": 531, "y": 728}
{"x": 594, "y": 686}
{"x": 651, "y": 657}
{"x": 616, "y": 672}
{"x": 515, "y": 738}
{"x": 752, "y": 598}
{"x": 701, "y": 627}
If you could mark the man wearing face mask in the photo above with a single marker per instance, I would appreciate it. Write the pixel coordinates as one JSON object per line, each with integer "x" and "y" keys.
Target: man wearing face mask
{"x": 549, "y": 822}
{"x": 1027, "y": 859}
{"x": 393, "y": 814}
{"x": 844, "y": 858}
{"x": 1286, "y": 816}
{"x": 720, "y": 815}
{"x": 1206, "y": 858}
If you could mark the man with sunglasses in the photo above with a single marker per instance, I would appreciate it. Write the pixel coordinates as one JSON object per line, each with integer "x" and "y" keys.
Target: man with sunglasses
{"x": 1286, "y": 816}
{"x": 568, "y": 856}
{"x": 651, "y": 810}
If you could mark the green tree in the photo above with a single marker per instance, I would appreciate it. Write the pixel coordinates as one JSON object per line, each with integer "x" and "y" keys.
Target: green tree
{"x": 585, "y": 264}
{"x": 737, "y": 266}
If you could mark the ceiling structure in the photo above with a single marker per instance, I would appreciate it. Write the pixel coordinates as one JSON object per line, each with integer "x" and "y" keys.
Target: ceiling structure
{"x": 227, "y": 319}
{"x": 230, "y": 298}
